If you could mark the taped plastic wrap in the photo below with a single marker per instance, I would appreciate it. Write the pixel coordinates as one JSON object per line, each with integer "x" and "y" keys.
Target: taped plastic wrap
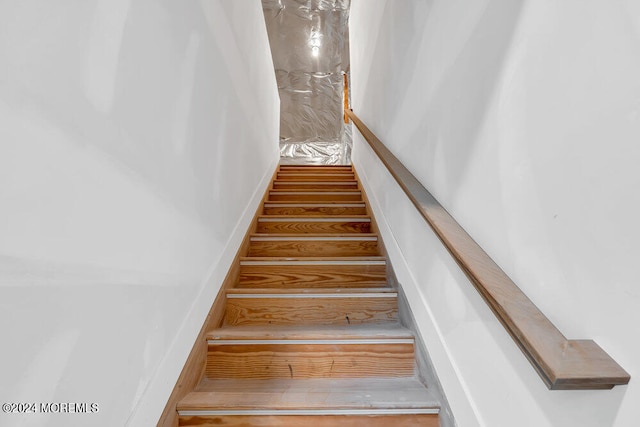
{"x": 309, "y": 44}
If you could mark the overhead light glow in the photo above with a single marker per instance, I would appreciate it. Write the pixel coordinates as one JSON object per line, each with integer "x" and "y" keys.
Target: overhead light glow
{"x": 315, "y": 41}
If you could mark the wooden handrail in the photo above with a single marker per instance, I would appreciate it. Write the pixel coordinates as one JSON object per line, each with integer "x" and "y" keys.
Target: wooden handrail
{"x": 561, "y": 363}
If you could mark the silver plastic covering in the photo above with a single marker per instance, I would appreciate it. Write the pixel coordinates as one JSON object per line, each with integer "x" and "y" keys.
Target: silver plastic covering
{"x": 310, "y": 47}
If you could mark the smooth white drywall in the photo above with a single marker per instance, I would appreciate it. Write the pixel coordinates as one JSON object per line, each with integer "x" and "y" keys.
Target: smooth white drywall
{"x": 523, "y": 119}
{"x": 136, "y": 140}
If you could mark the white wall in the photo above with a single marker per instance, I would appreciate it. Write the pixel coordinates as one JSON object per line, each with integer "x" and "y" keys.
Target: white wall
{"x": 136, "y": 139}
{"x": 523, "y": 118}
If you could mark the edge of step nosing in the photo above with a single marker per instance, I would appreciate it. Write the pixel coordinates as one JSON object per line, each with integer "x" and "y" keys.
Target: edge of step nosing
{"x": 294, "y": 237}
{"x": 258, "y": 262}
{"x": 333, "y": 411}
{"x": 314, "y": 296}
{"x": 283, "y": 218}
{"x": 310, "y": 341}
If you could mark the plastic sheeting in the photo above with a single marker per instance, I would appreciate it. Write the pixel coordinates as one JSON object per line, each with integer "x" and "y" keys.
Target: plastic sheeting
{"x": 310, "y": 47}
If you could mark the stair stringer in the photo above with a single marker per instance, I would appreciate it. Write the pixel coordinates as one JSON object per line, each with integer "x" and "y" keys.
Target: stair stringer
{"x": 424, "y": 366}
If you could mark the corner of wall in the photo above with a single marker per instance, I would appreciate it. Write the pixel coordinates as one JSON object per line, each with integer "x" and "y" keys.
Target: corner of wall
{"x": 152, "y": 401}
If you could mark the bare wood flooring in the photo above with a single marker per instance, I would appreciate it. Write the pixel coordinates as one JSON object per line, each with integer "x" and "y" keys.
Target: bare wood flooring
{"x": 310, "y": 333}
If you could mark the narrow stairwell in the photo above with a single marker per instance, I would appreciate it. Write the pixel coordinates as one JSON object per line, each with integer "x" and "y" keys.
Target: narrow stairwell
{"x": 310, "y": 333}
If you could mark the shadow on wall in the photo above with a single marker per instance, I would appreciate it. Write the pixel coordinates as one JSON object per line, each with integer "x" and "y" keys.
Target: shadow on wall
{"x": 462, "y": 48}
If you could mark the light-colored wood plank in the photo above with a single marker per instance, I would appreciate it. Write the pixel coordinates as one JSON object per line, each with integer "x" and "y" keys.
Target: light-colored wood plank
{"x": 321, "y": 310}
{"x": 333, "y": 394}
{"x": 315, "y": 186}
{"x": 315, "y": 421}
{"x": 315, "y": 196}
{"x": 312, "y": 276}
{"x": 304, "y": 224}
{"x": 561, "y": 363}
{"x": 315, "y": 169}
{"x": 391, "y": 330}
{"x": 237, "y": 292}
{"x": 301, "y": 361}
{"x": 314, "y": 209}
{"x": 313, "y": 245}
{"x": 311, "y": 177}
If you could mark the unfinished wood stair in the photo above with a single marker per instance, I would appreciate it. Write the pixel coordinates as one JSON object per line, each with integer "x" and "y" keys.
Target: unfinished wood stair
{"x": 310, "y": 332}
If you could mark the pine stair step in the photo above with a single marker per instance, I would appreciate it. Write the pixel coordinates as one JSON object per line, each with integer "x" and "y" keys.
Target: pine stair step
{"x": 306, "y": 188}
{"x": 315, "y": 169}
{"x": 329, "y": 394}
{"x": 311, "y": 177}
{"x": 392, "y": 330}
{"x": 317, "y": 196}
{"x": 311, "y": 291}
{"x": 305, "y": 224}
{"x": 366, "y": 402}
{"x": 318, "y": 358}
{"x": 344, "y": 308}
{"x": 313, "y": 245}
{"x": 314, "y": 209}
{"x": 265, "y": 272}
{"x": 315, "y": 186}
{"x": 304, "y": 418}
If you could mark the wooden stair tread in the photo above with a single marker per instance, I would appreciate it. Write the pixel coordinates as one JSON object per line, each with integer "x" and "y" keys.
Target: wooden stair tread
{"x": 287, "y": 183}
{"x": 302, "y": 260}
{"x": 308, "y": 332}
{"x": 308, "y": 292}
{"x": 312, "y": 177}
{"x": 310, "y": 236}
{"x": 307, "y": 203}
{"x": 312, "y": 244}
{"x": 315, "y": 196}
{"x": 307, "y": 218}
{"x": 316, "y": 167}
{"x": 331, "y": 394}
{"x": 314, "y": 191}
{"x": 317, "y": 309}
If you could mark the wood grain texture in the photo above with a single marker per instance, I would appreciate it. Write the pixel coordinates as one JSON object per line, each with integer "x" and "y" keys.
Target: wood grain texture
{"x": 312, "y": 276}
{"x": 561, "y": 363}
{"x": 315, "y": 169}
{"x": 311, "y": 177}
{"x": 310, "y": 311}
{"x": 315, "y": 196}
{"x": 315, "y": 209}
{"x": 304, "y": 291}
{"x": 301, "y": 361}
{"x": 312, "y": 248}
{"x": 390, "y": 330}
{"x": 302, "y": 224}
{"x": 316, "y": 186}
{"x": 318, "y": 332}
{"x": 309, "y": 420}
{"x": 341, "y": 393}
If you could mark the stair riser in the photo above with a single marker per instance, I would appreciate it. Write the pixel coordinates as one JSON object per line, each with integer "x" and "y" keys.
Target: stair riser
{"x": 316, "y": 169}
{"x": 314, "y": 227}
{"x": 320, "y": 186}
{"x": 315, "y": 210}
{"x": 312, "y": 276}
{"x": 300, "y": 196}
{"x": 312, "y": 178}
{"x": 313, "y": 248}
{"x": 304, "y": 361}
{"x": 310, "y": 311}
{"x": 310, "y": 420}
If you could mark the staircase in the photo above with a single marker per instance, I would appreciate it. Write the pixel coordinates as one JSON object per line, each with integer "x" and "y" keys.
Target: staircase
{"x": 310, "y": 333}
